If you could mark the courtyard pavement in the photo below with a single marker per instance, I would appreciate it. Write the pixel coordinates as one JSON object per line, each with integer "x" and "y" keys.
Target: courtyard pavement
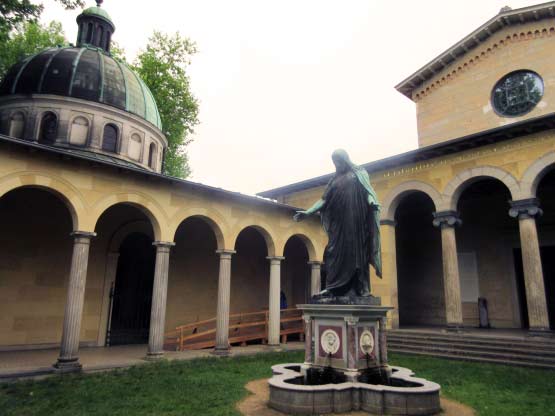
{"x": 37, "y": 363}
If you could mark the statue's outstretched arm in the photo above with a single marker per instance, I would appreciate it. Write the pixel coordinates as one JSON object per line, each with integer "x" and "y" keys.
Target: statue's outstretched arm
{"x": 301, "y": 215}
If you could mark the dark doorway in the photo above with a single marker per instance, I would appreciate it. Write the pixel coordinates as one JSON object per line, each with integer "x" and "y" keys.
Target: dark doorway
{"x": 521, "y": 288}
{"x": 547, "y": 254}
{"x": 548, "y": 265}
{"x": 419, "y": 265}
{"x": 132, "y": 294}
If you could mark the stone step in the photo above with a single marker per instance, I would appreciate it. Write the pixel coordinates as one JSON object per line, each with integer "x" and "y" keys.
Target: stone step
{"x": 491, "y": 347}
{"x": 530, "y": 342}
{"x": 448, "y": 356}
{"x": 503, "y": 356}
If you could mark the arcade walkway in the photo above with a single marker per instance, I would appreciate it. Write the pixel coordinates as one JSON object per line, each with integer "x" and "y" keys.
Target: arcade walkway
{"x": 36, "y": 363}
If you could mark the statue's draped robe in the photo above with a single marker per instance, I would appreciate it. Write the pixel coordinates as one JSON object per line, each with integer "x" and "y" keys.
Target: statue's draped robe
{"x": 352, "y": 225}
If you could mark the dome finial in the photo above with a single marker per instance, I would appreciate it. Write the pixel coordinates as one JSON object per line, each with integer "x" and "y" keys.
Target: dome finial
{"x": 99, "y": 2}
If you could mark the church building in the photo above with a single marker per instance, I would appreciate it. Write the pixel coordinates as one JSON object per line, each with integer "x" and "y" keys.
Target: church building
{"x": 99, "y": 248}
{"x": 469, "y": 217}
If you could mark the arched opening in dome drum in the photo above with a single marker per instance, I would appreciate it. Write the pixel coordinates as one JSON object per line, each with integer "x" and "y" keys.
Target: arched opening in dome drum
{"x": 99, "y": 36}
{"x": 89, "y": 33}
{"x": 110, "y": 138}
{"x": 108, "y": 39}
{"x": 151, "y": 155}
{"x": 48, "y": 128}
{"x": 17, "y": 124}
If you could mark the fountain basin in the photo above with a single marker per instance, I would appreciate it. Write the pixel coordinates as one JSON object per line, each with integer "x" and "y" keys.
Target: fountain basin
{"x": 289, "y": 395}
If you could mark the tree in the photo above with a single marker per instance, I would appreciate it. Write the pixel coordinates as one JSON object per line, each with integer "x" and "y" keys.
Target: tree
{"x": 162, "y": 66}
{"x": 14, "y": 12}
{"x": 29, "y": 38}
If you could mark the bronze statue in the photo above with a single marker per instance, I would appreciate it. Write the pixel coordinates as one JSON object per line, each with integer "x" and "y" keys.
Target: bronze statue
{"x": 350, "y": 215}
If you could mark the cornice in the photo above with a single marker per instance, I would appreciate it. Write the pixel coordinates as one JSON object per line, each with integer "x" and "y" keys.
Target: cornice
{"x": 505, "y": 18}
{"x": 478, "y": 57}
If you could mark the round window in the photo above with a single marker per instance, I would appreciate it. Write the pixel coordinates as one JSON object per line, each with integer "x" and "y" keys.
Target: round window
{"x": 517, "y": 93}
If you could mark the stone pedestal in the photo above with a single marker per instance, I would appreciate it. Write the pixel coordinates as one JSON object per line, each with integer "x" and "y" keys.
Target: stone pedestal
{"x": 348, "y": 338}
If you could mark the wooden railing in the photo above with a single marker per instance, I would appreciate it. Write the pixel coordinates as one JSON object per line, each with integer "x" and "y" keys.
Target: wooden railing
{"x": 243, "y": 327}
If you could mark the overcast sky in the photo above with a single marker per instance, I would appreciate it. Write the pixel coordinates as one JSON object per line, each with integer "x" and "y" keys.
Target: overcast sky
{"x": 282, "y": 83}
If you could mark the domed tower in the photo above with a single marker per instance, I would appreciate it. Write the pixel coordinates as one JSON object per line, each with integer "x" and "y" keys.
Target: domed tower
{"x": 82, "y": 98}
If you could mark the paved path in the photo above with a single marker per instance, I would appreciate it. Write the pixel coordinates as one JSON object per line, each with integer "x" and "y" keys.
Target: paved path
{"x": 33, "y": 363}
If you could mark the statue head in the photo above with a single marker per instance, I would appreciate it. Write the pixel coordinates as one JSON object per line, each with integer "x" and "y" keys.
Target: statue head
{"x": 341, "y": 161}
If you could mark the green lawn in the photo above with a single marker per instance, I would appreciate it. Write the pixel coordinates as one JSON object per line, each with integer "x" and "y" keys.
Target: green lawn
{"x": 213, "y": 386}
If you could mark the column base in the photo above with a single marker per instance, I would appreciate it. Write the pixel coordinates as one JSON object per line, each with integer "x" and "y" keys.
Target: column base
{"x": 275, "y": 347}
{"x": 63, "y": 366}
{"x": 541, "y": 332}
{"x": 154, "y": 356}
{"x": 221, "y": 352}
{"x": 454, "y": 328}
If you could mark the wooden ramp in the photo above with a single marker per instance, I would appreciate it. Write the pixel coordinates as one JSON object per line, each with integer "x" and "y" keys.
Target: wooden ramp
{"x": 243, "y": 327}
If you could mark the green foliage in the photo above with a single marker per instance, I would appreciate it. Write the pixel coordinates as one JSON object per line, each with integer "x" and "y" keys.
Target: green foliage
{"x": 491, "y": 389}
{"x": 213, "y": 386}
{"x": 117, "y": 52}
{"x": 162, "y": 66}
{"x": 207, "y": 387}
{"x": 29, "y": 38}
{"x": 14, "y": 12}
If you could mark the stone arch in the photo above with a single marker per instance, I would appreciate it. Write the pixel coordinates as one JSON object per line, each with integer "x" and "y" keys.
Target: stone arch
{"x": 534, "y": 174}
{"x": 48, "y": 127}
{"x": 462, "y": 180}
{"x": 121, "y": 233}
{"x": 263, "y": 230}
{"x": 146, "y": 204}
{"x": 16, "y": 126}
{"x": 310, "y": 248}
{"x": 216, "y": 222}
{"x": 111, "y": 137}
{"x": 79, "y": 130}
{"x": 392, "y": 200}
{"x": 64, "y": 190}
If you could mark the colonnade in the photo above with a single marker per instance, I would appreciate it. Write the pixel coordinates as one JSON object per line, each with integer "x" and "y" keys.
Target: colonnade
{"x": 69, "y": 351}
{"x": 526, "y": 211}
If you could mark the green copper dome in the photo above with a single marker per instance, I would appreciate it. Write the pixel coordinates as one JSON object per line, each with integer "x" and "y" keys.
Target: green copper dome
{"x": 87, "y": 73}
{"x": 98, "y": 12}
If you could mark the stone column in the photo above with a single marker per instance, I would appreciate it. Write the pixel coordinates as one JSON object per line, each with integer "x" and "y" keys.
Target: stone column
{"x": 383, "y": 342}
{"x": 526, "y": 211}
{"x": 68, "y": 359}
{"x": 307, "y": 319}
{"x": 389, "y": 266}
{"x": 447, "y": 221}
{"x": 274, "y": 304}
{"x": 222, "y": 314}
{"x": 315, "y": 273}
{"x": 159, "y": 296}
{"x": 351, "y": 322}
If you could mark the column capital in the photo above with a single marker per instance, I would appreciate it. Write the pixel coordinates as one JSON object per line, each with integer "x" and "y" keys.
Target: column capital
{"x": 314, "y": 263}
{"x": 82, "y": 234}
{"x": 351, "y": 320}
{"x": 444, "y": 219}
{"x": 275, "y": 259}
{"x": 525, "y": 208}
{"x": 163, "y": 244}
{"x": 391, "y": 223}
{"x": 225, "y": 253}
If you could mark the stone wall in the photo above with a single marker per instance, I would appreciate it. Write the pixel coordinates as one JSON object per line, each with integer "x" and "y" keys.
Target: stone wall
{"x": 456, "y": 101}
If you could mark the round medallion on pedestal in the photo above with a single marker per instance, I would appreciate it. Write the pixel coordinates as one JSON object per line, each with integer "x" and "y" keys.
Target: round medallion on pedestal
{"x": 330, "y": 341}
{"x": 366, "y": 343}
